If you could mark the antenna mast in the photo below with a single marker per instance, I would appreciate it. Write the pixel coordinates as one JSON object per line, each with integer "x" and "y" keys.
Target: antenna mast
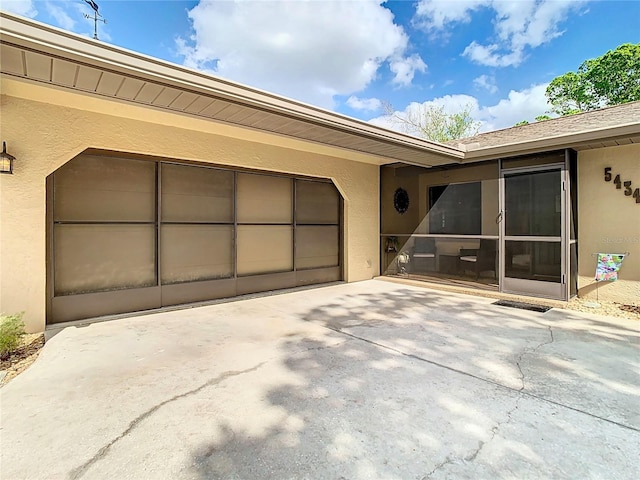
{"x": 96, "y": 17}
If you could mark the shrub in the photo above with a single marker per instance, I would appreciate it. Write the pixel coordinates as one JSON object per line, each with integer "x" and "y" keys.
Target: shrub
{"x": 11, "y": 331}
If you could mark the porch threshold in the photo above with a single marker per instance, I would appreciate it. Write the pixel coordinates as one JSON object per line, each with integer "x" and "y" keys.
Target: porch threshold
{"x": 478, "y": 292}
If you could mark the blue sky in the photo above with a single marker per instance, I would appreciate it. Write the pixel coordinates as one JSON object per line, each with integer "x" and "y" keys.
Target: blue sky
{"x": 495, "y": 57}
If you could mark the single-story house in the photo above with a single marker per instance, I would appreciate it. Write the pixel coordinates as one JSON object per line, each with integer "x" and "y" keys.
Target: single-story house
{"x": 139, "y": 184}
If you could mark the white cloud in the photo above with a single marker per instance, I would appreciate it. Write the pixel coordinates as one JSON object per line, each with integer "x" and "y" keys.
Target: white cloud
{"x": 436, "y": 15}
{"x": 405, "y": 69}
{"x": 491, "y": 56}
{"x": 26, "y": 8}
{"x": 309, "y": 50}
{"x": 60, "y": 16}
{"x": 365, "y": 104}
{"x": 519, "y": 105}
{"x": 486, "y": 82}
{"x": 518, "y": 25}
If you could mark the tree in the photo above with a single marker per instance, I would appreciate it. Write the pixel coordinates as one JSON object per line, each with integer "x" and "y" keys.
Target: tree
{"x": 539, "y": 118}
{"x": 431, "y": 122}
{"x": 612, "y": 79}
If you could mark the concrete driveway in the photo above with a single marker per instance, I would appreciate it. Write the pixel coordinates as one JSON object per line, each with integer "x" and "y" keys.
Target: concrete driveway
{"x": 372, "y": 380}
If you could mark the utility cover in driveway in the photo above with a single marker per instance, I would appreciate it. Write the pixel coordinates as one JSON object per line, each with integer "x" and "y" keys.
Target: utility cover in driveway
{"x": 522, "y": 305}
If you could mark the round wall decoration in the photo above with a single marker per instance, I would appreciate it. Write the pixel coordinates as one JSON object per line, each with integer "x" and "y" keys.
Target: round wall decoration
{"x": 401, "y": 200}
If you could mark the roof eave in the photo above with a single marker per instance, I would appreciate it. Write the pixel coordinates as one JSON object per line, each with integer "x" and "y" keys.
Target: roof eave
{"x": 30, "y": 34}
{"x": 550, "y": 143}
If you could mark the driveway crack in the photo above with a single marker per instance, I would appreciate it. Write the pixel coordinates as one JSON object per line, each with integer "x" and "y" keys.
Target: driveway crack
{"x": 78, "y": 472}
{"x": 485, "y": 379}
{"x": 470, "y": 457}
{"x": 529, "y": 352}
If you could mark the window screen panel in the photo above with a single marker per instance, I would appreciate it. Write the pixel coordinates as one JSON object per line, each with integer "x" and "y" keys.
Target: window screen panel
{"x": 456, "y": 209}
{"x": 533, "y": 203}
{"x": 317, "y": 203}
{"x": 196, "y": 252}
{"x": 94, "y": 258}
{"x": 264, "y": 249}
{"x": 317, "y": 246}
{"x": 196, "y": 194}
{"x": 264, "y": 199}
{"x": 97, "y": 189}
{"x": 540, "y": 261}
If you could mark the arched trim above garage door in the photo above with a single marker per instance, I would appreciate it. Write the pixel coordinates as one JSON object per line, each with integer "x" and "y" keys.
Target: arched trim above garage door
{"x": 129, "y": 234}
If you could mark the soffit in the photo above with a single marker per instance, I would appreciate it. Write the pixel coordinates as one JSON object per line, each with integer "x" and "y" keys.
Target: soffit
{"x": 43, "y": 54}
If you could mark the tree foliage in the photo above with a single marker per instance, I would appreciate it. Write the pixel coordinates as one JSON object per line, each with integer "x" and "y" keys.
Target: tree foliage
{"x": 539, "y": 118}
{"x": 431, "y": 122}
{"x": 612, "y": 79}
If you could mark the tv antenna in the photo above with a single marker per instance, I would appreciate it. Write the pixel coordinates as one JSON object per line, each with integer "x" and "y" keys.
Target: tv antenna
{"x": 96, "y": 17}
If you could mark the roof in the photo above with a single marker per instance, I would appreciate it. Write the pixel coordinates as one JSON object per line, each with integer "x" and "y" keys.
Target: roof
{"x": 40, "y": 53}
{"x": 610, "y": 126}
{"x": 35, "y": 52}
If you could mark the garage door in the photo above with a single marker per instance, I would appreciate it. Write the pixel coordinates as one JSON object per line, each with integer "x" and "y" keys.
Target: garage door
{"x": 128, "y": 235}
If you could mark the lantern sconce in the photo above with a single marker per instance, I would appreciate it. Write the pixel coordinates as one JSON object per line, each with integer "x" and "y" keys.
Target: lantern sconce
{"x": 6, "y": 160}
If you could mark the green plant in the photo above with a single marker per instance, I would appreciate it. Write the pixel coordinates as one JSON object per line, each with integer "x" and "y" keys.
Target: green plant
{"x": 612, "y": 79}
{"x": 11, "y": 332}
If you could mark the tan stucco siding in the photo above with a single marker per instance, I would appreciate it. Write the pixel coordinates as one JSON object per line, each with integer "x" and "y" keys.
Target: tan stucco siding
{"x": 394, "y": 223}
{"x": 609, "y": 221}
{"x": 45, "y": 134}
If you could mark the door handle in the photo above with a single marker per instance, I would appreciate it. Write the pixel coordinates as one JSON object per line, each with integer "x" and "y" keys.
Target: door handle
{"x": 499, "y": 217}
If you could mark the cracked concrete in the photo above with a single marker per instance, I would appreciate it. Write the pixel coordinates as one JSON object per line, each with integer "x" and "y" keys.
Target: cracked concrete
{"x": 525, "y": 352}
{"x": 481, "y": 444}
{"x": 366, "y": 381}
{"x": 79, "y": 472}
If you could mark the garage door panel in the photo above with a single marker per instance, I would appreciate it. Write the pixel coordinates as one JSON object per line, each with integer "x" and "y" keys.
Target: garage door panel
{"x": 265, "y": 283}
{"x": 196, "y": 194}
{"x": 198, "y": 291}
{"x": 90, "y": 305}
{"x": 93, "y": 258}
{"x": 317, "y": 203}
{"x": 103, "y": 189}
{"x": 196, "y": 252}
{"x": 264, "y": 249}
{"x": 317, "y": 246}
{"x": 264, "y": 199}
{"x": 318, "y": 275}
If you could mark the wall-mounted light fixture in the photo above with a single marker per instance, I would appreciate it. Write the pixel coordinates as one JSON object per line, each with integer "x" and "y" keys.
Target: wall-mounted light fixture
{"x": 6, "y": 160}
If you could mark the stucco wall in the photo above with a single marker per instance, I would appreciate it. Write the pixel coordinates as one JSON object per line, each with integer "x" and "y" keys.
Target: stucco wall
{"x": 44, "y": 128}
{"x": 394, "y": 223}
{"x": 609, "y": 221}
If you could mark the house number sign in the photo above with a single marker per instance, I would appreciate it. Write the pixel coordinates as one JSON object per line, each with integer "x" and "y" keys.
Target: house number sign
{"x": 628, "y": 191}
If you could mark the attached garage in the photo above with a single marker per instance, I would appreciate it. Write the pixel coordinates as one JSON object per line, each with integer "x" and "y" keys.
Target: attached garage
{"x": 141, "y": 184}
{"x": 129, "y": 234}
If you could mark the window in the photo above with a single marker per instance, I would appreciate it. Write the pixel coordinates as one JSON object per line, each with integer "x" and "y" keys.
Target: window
{"x": 456, "y": 209}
